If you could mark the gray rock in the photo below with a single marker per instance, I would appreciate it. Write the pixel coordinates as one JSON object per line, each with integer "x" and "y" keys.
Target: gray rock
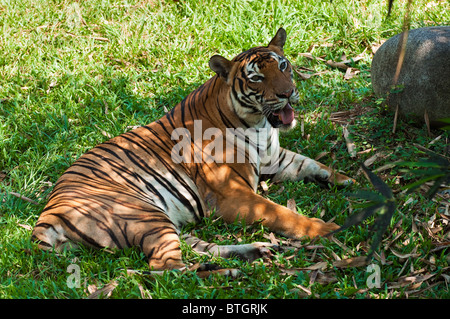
{"x": 424, "y": 79}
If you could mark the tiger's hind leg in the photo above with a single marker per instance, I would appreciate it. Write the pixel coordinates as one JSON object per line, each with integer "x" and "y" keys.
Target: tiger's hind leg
{"x": 247, "y": 252}
{"x": 158, "y": 239}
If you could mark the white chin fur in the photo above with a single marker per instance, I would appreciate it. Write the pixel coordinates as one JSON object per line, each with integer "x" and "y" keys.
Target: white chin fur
{"x": 285, "y": 128}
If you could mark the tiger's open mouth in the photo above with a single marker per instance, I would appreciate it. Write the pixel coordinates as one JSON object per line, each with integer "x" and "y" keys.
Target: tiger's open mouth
{"x": 282, "y": 117}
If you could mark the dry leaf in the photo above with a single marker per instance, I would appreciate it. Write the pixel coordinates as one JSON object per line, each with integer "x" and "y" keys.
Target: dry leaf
{"x": 24, "y": 198}
{"x": 145, "y": 294}
{"x": 292, "y": 205}
{"x": 376, "y": 46}
{"x": 51, "y": 85}
{"x": 320, "y": 155}
{"x": 350, "y": 145}
{"x": 310, "y": 56}
{"x": 350, "y": 73}
{"x": 386, "y": 167}
{"x": 104, "y": 133}
{"x": 359, "y": 261}
{"x": 280, "y": 190}
{"x": 273, "y": 240}
{"x": 104, "y": 292}
{"x": 321, "y": 265}
{"x": 400, "y": 255}
{"x": 417, "y": 280}
{"x": 368, "y": 162}
{"x": 326, "y": 278}
{"x": 339, "y": 65}
{"x": 303, "y": 76}
{"x": 446, "y": 278}
{"x": 340, "y": 244}
{"x": 304, "y": 289}
{"x": 355, "y": 59}
{"x": 306, "y": 76}
{"x": 264, "y": 186}
{"x": 27, "y": 227}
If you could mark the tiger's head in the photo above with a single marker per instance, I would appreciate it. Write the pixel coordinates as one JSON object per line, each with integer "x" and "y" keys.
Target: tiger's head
{"x": 260, "y": 82}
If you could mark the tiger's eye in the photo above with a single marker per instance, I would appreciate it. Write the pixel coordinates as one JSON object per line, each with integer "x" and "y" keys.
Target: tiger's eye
{"x": 257, "y": 78}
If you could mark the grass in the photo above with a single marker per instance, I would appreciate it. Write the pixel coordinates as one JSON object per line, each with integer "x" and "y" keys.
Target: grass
{"x": 74, "y": 74}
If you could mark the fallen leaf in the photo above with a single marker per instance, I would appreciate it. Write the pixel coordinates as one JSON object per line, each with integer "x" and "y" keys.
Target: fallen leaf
{"x": 350, "y": 73}
{"x": 326, "y": 278}
{"x": 339, "y": 65}
{"x": 24, "y": 198}
{"x": 368, "y": 162}
{"x": 292, "y": 205}
{"x": 104, "y": 133}
{"x": 321, "y": 265}
{"x": 27, "y": 227}
{"x": 145, "y": 294}
{"x": 403, "y": 256}
{"x": 104, "y": 292}
{"x": 350, "y": 145}
{"x": 320, "y": 155}
{"x": 386, "y": 167}
{"x": 101, "y": 39}
{"x": 303, "y": 76}
{"x": 306, "y": 76}
{"x": 304, "y": 289}
{"x": 376, "y": 46}
{"x": 273, "y": 240}
{"x": 446, "y": 278}
{"x": 353, "y": 60}
{"x": 310, "y": 56}
{"x": 264, "y": 186}
{"x": 358, "y": 261}
{"x": 340, "y": 244}
{"x": 408, "y": 280}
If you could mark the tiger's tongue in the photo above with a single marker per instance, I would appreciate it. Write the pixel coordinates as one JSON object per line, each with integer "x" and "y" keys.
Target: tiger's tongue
{"x": 286, "y": 114}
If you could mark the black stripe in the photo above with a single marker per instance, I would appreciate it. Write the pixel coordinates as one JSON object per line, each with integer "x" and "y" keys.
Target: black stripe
{"x": 300, "y": 167}
{"x": 83, "y": 236}
{"x": 243, "y": 178}
{"x": 177, "y": 176}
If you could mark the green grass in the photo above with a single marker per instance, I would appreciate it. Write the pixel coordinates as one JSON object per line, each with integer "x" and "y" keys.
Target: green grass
{"x": 74, "y": 74}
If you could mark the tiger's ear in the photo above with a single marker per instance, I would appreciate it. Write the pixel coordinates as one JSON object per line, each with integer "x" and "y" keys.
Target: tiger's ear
{"x": 279, "y": 39}
{"x": 221, "y": 66}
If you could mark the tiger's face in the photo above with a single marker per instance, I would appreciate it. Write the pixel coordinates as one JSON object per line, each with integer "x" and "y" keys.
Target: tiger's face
{"x": 261, "y": 84}
{"x": 265, "y": 87}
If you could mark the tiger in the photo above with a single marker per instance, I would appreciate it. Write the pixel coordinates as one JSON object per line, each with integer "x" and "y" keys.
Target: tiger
{"x": 141, "y": 187}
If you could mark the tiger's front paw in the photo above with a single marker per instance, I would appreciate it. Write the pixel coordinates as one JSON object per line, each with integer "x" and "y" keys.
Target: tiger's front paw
{"x": 261, "y": 250}
{"x": 342, "y": 180}
{"x": 326, "y": 175}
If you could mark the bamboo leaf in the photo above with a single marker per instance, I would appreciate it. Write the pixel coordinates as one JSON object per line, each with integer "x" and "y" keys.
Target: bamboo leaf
{"x": 416, "y": 184}
{"x": 378, "y": 183}
{"x": 438, "y": 182}
{"x": 367, "y": 195}
{"x": 357, "y": 218}
{"x": 418, "y": 164}
{"x": 381, "y": 224}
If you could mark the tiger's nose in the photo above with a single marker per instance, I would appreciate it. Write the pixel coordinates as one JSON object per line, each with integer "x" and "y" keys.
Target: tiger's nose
{"x": 286, "y": 94}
